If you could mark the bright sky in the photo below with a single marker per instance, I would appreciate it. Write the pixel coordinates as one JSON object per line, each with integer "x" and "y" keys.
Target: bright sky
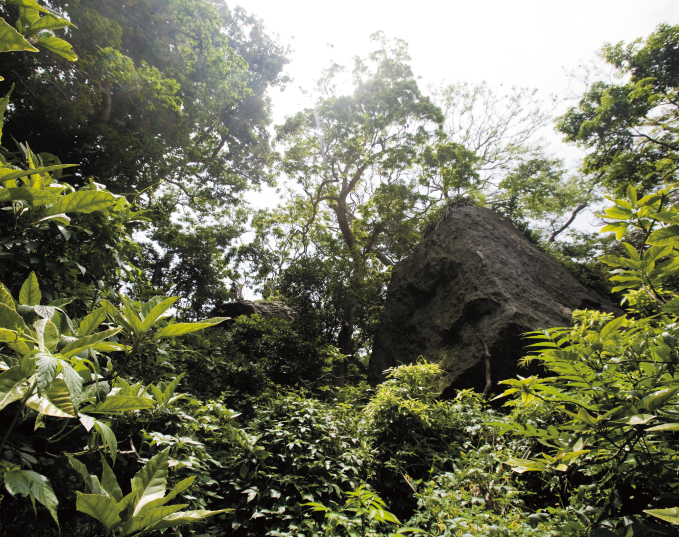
{"x": 511, "y": 42}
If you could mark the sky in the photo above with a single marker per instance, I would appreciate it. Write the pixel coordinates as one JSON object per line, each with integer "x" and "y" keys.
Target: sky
{"x": 528, "y": 43}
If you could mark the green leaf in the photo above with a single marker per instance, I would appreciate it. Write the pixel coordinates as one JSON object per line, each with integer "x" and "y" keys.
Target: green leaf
{"x": 13, "y": 385}
{"x": 82, "y": 202}
{"x": 121, "y": 403}
{"x": 665, "y": 236}
{"x": 13, "y": 41}
{"x": 49, "y": 22}
{"x": 115, "y": 315}
{"x": 157, "y": 311}
{"x": 659, "y": 398}
{"x": 108, "y": 438}
{"x": 151, "y": 480}
{"x": 41, "y": 489}
{"x": 82, "y": 470}
{"x": 16, "y": 482}
{"x": 668, "y": 515}
{"x": 46, "y": 369}
{"x": 60, "y": 47}
{"x": 85, "y": 342}
{"x": 73, "y": 381}
{"x": 170, "y": 389}
{"x": 186, "y": 517}
{"x": 9, "y": 175}
{"x": 56, "y": 401}
{"x": 6, "y": 298}
{"x": 109, "y": 481}
{"x": 92, "y": 321}
{"x": 10, "y": 319}
{"x": 30, "y": 291}
{"x": 103, "y": 508}
{"x": 179, "y": 329}
{"x": 131, "y": 316}
{"x": 149, "y": 520}
{"x": 48, "y": 335}
{"x": 611, "y": 327}
{"x": 178, "y": 489}
{"x": 664, "y": 427}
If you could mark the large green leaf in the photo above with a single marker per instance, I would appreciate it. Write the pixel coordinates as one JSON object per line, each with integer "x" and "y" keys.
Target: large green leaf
{"x": 131, "y": 315}
{"x": 668, "y": 515}
{"x": 84, "y": 342}
{"x": 73, "y": 381}
{"x": 13, "y": 385}
{"x": 48, "y": 335}
{"x": 186, "y": 517}
{"x": 91, "y": 322}
{"x": 16, "y": 482}
{"x": 178, "y": 489}
{"x": 30, "y": 291}
{"x": 13, "y": 41}
{"x": 9, "y": 174}
{"x": 103, "y": 508}
{"x": 115, "y": 315}
{"x": 56, "y": 401}
{"x": 46, "y": 369}
{"x": 151, "y": 480}
{"x": 665, "y": 236}
{"x": 6, "y": 297}
{"x": 82, "y": 202}
{"x": 659, "y": 398}
{"x": 179, "y": 329}
{"x": 121, "y": 403}
{"x": 149, "y": 520}
{"x": 60, "y": 47}
{"x": 156, "y": 312}
{"x": 41, "y": 489}
{"x": 49, "y": 22}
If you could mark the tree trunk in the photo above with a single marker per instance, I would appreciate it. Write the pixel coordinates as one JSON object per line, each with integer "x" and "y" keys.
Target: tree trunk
{"x": 345, "y": 343}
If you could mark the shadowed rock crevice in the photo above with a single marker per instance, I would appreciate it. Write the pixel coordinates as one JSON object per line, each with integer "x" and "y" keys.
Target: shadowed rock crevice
{"x": 474, "y": 274}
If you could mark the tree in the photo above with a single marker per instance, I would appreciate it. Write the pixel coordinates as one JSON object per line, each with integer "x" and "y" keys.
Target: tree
{"x": 630, "y": 126}
{"x": 350, "y": 157}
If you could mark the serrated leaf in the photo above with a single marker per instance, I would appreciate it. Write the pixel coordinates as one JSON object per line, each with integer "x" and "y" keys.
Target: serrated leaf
{"x": 41, "y": 489}
{"x": 103, "y": 508}
{"x": 151, "y": 480}
{"x": 46, "y": 369}
{"x": 30, "y": 291}
{"x": 82, "y": 202}
{"x": 74, "y": 382}
{"x": 13, "y": 41}
{"x": 180, "y": 329}
{"x": 121, "y": 403}
{"x": 665, "y": 236}
{"x": 611, "y": 327}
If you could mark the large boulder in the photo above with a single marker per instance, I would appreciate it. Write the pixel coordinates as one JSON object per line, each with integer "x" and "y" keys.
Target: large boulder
{"x": 265, "y": 309}
{"x": 475, "y": 274}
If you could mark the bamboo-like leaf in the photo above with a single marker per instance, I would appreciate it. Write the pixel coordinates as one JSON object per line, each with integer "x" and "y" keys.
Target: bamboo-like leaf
{"x": 30, "y": 291}
{"x": 13, "y": 41}
{"x": 82, "y": 202}
{"x": 180, "y": 329}
{"x": 157, "y": 311}
{"x": 151, "y": 480}
{"x": 103, "y": 508}
{"x": 612, "y": 326}
{"x": 121, "y": 403}
{"x": 664, "y": 427}
{"x": 13, "y": 385}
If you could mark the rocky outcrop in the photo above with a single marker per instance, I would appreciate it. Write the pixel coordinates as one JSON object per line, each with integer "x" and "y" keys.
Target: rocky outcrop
{"x": 266, "y": 310}
{"x": 475, "y": 274}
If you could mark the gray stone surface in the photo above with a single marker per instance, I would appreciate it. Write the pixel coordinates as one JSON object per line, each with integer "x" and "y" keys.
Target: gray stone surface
{"x": 474, "y": 274}
{"x": 266, "y": 310}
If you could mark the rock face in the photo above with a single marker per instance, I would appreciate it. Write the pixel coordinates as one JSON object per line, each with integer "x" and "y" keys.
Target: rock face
{"x": 474, "y": 274}
{"x": 266, "y": 310}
